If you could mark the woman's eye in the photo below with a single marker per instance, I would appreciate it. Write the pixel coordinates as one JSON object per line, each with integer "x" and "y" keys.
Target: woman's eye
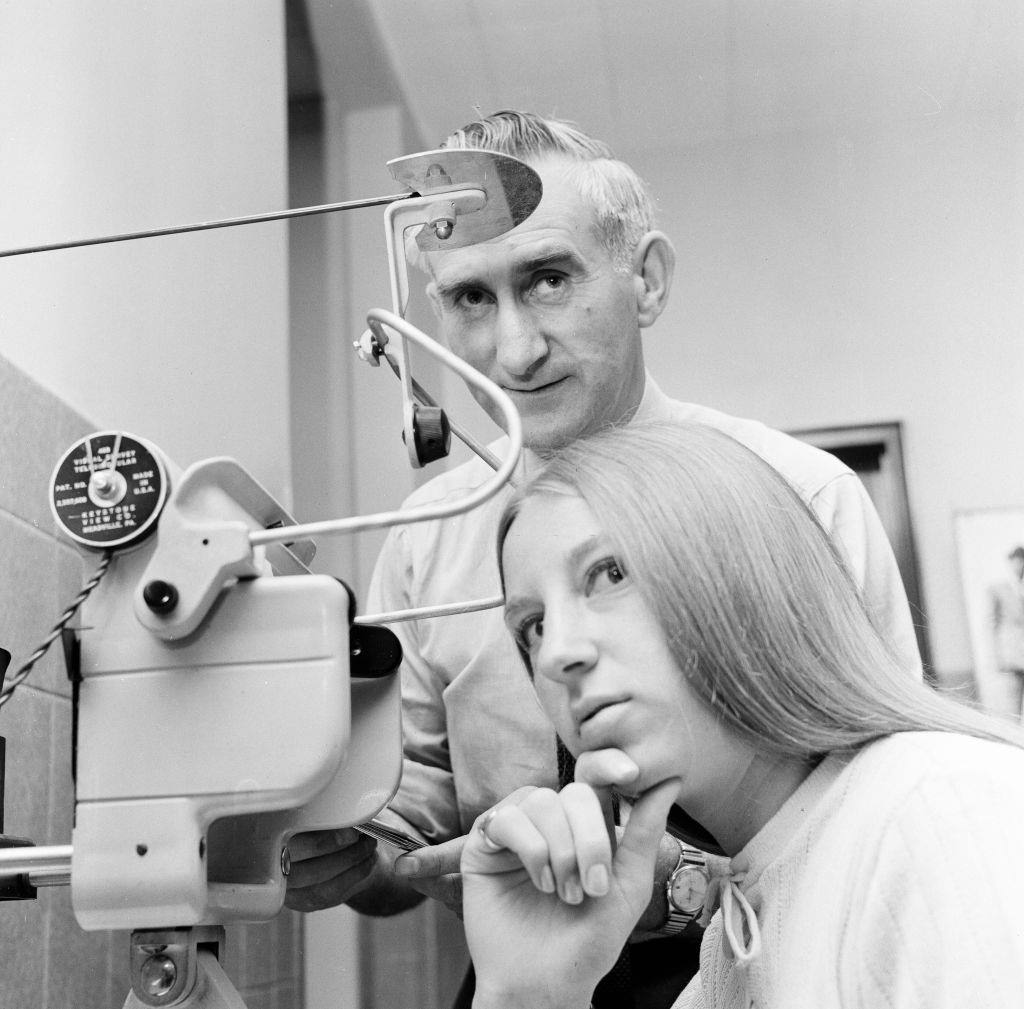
{"x": 604, "y": 573}
{"x": 529, "y": 632}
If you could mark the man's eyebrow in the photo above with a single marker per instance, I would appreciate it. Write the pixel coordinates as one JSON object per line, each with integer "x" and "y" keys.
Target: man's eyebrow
{"x": 542, "y": 260}
{"x": 449, "y": 288}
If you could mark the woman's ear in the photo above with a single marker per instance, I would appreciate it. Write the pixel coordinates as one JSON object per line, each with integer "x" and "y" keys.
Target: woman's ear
{"x": 654, "y": 264}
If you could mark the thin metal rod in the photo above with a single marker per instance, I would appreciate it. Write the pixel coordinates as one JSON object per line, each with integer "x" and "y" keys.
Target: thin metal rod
{"x": 380, "y": 830}
{"x": 465, "y": 437}
{"x": 426, "y": 612}
{"x": 44, "y": 860}
{"x": 49, "y": 877}
{"x": 230, "y": 222}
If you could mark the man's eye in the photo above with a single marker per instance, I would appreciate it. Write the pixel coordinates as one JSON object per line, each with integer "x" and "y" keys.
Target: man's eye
{"x": 471, "y": 299}
{"x": 550, "y": 287}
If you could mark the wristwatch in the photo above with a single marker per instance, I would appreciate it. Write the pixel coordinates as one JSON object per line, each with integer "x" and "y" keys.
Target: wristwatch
{"x": 686, "y": 889}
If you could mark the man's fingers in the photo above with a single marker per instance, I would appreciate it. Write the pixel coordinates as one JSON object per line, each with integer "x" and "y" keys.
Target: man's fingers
{"x": 446, "y": 889}
{"x": 323, "y": 842}
{"x": 434, "y": 860}
{"x": 443, "y": 859}
{"x": 327, "y": 880}
{"x": 320, "y": 868}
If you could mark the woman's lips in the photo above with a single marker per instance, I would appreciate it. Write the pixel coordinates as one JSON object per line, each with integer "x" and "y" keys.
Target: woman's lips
{"x": 594, "y": 718}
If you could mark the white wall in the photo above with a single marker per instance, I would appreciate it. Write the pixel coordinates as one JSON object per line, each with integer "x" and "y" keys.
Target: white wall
{"x": 871, "y": 274}
{"x": 118, "y": 115}
{"x": 133, "y": 114}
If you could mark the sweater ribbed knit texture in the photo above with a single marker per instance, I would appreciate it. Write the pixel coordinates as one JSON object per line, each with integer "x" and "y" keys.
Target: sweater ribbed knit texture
{"x": 889, "y": 880}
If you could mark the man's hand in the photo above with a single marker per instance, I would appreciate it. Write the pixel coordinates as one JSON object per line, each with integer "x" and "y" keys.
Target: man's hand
{"x": 328, "y": 867}
{"x": 434, "y": 872}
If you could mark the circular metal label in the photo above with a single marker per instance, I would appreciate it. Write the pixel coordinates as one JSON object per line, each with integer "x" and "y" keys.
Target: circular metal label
{"x": 108, "y": 490}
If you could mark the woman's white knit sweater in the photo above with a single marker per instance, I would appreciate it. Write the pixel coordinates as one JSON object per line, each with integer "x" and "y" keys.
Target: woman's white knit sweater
{"x": 891, "y": 879}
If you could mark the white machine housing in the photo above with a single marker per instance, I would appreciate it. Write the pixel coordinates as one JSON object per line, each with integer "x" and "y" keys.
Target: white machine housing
{"x": 199, "y": 755}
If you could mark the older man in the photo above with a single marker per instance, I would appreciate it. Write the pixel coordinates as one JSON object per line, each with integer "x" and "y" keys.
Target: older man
{"x": 553, "y": 312}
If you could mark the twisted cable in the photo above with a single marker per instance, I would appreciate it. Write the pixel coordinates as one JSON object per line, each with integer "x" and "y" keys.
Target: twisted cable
{"x": 22, "y": 674}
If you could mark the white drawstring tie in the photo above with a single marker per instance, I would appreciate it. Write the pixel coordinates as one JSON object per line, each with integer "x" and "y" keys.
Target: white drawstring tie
{"x": 735, "y": 908}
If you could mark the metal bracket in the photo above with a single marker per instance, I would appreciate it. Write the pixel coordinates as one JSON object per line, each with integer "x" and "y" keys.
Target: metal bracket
{"x": 203, "y": 541}
{"x": 511, "y": 190}
{"x": 179, "y": 968}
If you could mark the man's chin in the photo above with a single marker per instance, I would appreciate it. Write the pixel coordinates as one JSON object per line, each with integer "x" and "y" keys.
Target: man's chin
{"x": 545, "y": 432}
{"x": 547, "y": 441}
{"x": 547, "y": 427}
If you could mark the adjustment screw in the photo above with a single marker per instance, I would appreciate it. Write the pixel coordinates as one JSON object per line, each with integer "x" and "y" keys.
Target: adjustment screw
{"x": 160, "y": 596}
{"x": 103, "y": 482}
{"x": 158, "y": 975}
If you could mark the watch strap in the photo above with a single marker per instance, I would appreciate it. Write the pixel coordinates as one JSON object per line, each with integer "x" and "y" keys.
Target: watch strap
{"x": 679, "y": 918}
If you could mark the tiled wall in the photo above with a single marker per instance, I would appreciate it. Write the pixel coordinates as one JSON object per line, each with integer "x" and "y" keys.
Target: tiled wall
{"x": 48, "y": 962}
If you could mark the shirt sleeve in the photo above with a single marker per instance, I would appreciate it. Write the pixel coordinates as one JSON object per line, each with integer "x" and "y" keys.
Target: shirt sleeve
{"x": 846, "y": 511}
{"x": 934, "y": 916}
{"x": 426, "y": 797}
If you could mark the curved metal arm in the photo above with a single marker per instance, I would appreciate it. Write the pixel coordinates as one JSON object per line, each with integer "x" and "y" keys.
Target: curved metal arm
{"x": 377, "y": 318}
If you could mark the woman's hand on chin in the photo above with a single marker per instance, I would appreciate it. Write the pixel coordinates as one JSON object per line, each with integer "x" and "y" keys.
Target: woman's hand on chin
{"x": 548, "y": 904}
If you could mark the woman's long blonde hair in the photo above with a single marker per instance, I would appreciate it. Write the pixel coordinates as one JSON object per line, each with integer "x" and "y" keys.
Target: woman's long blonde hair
{"x": 754, "y": 598}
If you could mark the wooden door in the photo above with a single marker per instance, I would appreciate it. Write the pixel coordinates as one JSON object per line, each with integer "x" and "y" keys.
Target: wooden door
{"x": 875, "y": 453}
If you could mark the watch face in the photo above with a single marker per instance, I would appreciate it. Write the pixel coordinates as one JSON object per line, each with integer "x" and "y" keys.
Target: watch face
{"x": 689, "y": 888}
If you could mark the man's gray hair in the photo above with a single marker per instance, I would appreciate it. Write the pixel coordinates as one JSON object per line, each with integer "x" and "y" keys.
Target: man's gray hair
{"x": 623, "y": 209}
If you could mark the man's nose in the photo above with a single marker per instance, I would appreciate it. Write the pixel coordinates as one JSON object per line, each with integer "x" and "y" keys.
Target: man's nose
{"x": 520, "y": 345}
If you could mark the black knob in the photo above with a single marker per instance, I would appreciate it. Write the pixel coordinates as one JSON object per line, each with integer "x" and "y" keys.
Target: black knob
{"x": 374, "y": 651}
{"x": 431, "y": 432}
{"x": 160, "y": 597}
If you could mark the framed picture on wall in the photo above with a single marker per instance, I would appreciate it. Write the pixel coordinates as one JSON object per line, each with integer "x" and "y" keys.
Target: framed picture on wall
{"x": 990, "y": 547}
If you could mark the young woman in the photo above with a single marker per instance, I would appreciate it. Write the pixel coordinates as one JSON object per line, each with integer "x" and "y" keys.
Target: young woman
{"x": 696, "y": 640}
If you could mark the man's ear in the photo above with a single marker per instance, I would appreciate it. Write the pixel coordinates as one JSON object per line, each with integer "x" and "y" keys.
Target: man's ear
{"x": 654, "y": 264}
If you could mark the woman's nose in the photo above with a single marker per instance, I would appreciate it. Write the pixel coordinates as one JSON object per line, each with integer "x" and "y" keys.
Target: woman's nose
{"x": 568, "y": 648}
